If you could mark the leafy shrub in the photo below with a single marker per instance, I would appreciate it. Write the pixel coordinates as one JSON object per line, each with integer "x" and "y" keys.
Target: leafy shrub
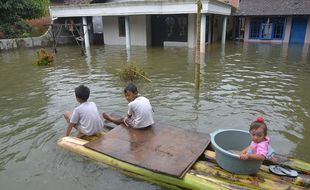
{"x": 14, "y": 13}
{"x": 44, "y": 58}
{"x": 15, "y": 30}
{"x": 131, "y": 72}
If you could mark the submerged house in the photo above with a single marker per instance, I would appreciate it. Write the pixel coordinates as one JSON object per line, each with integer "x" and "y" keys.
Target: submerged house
{"x": 273, "y": 21}
{"x": 145, "y": 22}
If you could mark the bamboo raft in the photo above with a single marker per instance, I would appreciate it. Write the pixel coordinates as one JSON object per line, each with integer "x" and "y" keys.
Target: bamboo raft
{"x": 204, "y": 173}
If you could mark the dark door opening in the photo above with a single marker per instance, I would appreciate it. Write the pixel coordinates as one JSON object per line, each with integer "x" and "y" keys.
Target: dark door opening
{"x": 168, "y": 28}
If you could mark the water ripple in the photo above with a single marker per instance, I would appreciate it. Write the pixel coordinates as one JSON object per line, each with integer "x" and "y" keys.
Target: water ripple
{"x": 238, "y": 83}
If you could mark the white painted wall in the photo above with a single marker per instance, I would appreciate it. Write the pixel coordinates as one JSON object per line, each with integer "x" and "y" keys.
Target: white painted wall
{"x": 287, "y": 31}
{"x": 110, "y": 31}
{"x": 191, "y": 32}
{"x": 247, "y": 29}
{"x": 138, "y": 31}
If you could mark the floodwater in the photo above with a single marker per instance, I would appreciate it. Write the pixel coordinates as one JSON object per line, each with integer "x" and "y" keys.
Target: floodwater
{"x": 238, "y": 83}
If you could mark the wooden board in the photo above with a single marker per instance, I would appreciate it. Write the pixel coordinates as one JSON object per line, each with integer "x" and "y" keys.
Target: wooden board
{"x": 163, "y": 149}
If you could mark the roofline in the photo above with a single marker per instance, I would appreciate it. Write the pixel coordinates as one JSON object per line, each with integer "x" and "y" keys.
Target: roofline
{"x": 274, "y": 15}
{"x": 137, "y": 7}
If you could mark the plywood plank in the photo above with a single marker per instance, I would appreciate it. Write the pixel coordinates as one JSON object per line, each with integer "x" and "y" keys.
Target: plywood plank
{"x": 164, "y": 149}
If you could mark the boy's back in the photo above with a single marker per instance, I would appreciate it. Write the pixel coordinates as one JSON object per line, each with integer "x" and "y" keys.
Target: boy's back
{"x": 87, "y": 115}
{"x": 141, "y": 111}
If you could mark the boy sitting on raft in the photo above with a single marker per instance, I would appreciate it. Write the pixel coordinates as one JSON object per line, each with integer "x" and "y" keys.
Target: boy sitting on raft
{"x": 85, "y": 117}
{"x": 140, "y": 112}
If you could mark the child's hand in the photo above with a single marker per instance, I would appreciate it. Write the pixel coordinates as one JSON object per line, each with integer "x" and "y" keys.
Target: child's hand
{"x": 244, "y": 156}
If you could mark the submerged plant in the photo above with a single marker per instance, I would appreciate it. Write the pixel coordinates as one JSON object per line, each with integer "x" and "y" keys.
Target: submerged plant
{"x": 131, "y": 72}
{"x": 44, "y": 58}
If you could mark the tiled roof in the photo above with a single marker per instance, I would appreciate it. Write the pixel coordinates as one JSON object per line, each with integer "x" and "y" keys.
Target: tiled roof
{"x": 273, "y": 7}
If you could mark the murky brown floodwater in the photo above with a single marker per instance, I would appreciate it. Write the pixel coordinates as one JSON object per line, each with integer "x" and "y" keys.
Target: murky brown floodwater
{"x": 238, "y": 83}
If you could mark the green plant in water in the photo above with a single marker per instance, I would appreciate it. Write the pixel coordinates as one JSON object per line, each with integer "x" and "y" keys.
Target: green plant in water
{"x": 131, "y": 72}
{"x": 44, "y": 58}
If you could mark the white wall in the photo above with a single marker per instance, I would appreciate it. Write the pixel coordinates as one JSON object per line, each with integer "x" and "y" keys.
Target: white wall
{"x": 287, "y": 31}
{"x": 191, "y": 32}
{"x": 110, "y": 31}
{"x": 138, "y": 29}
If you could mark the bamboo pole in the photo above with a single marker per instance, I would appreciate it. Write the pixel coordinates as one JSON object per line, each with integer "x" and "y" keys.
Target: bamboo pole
{"x": 295, "y": 164}
{"x": 204, "y": 175}
{"x": 301, "y": 166}
{"x": 301, "y": 180}
{"x": 197, "y": 56}
{"x": 262, "y": 180}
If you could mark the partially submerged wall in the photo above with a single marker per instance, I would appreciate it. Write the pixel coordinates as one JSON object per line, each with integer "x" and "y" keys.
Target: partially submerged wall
{"x": 41, "y": 41}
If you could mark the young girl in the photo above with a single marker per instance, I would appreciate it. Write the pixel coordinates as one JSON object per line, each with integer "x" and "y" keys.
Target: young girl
{"x": 258, "y": 148}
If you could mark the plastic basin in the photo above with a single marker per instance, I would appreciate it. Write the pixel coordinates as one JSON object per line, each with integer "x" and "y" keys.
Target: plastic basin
{"x": 226, "y": 142}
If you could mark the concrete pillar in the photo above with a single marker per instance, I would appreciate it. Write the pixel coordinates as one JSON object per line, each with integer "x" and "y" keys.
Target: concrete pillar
{"x": 287, "y": 29}
{"x": 191, "y": 31}
{"x": 85, "y": 30}
{"x": 203, "y": 33}
{"x": 127, "y": 29}
{"x": 224, "y": 30}
{"x": 210, "y": 30}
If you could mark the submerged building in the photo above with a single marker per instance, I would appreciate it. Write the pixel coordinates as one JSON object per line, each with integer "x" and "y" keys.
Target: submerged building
{"x": 273, "y": 21}
{"x": 173, "y": 22}
{"x": 145, "y": 22}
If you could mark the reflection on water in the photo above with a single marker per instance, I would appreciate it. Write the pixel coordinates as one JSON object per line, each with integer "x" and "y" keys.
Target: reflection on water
{"x": 238, "y": 83}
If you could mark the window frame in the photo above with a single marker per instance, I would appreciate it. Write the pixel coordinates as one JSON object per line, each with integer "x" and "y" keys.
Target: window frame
{"x": 257, "y": 26}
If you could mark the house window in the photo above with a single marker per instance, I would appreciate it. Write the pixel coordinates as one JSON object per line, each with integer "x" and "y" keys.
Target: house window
{"x": 254, "y": 28}
{"x": 266, "y": 31}
{"x": 267, "y": 28}
{"x": 279, "y": 28}
{"x": 176, "y": 28}
{"x": 121, "y": 26}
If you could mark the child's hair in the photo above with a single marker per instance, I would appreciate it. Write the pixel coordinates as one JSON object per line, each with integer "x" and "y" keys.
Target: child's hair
{"x": 131, "y": 88}
{"x": 259, "y": 122}
{"x": 82, "y": 92}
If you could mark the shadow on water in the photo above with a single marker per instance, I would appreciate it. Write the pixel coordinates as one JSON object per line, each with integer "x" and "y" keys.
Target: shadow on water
{"x": 238, "y": 83}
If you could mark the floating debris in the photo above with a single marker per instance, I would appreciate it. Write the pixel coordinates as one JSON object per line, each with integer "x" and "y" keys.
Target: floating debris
{"x": 44, "y": 58}
{"x": 131, "y": 72}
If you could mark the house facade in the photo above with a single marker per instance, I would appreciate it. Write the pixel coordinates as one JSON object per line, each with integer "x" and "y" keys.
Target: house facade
{"x": 146, "y": 22}
{"x": 273, "y": 21}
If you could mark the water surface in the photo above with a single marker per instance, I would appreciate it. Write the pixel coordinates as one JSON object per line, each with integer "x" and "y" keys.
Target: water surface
{"x": 238, "y": 83}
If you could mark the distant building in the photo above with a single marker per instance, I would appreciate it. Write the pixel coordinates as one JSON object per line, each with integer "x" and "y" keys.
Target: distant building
{"x": 273, "y": 21}
{"x": 147, "y": 22}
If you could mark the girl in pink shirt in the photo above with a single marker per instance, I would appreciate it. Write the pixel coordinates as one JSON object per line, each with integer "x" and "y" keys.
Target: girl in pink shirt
{"x": 258, "y": 148}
